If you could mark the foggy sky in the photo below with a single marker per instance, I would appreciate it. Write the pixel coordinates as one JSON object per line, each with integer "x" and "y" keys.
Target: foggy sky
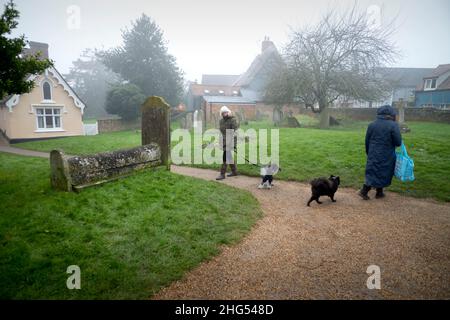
{"x": 223, "y": 37}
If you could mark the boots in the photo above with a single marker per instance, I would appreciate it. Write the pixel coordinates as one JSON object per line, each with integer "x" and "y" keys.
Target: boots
{"x": 379, "y": 194}
{"x": 364, "y": 191}
{"x": 233, "y": 171}
{"x": 223, "y": 169}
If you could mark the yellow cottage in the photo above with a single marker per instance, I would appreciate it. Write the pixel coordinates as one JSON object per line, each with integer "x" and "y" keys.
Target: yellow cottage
{"x": 52, "y": 109}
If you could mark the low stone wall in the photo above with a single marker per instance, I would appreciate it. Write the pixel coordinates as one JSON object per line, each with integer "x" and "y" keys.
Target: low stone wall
{"x": 75, "y": 173}
{"x": 367, "y": 114}
{"x": 427, "y": 114}
{"x": 111, "y": 125}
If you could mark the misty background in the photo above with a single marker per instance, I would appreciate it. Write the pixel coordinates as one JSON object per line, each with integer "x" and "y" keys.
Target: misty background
{"x": 223, "y": 37}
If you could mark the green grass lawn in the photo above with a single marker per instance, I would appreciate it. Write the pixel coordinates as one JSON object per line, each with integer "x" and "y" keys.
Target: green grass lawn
{"x": 82, "y": 145}
{"x": 307, "y": 152}
{"x": 129, "y": 237}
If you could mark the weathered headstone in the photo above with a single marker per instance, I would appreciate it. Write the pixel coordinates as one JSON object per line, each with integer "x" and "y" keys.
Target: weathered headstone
{"x": 201, "y": 119}
{"x": 59, "y": 168}
{"x": 292, "y": 122}
{"x": 188, "y": 121}
{"x": 86, "y": 170}
{"x": 195, "y": 119}
{"x": 277, "y": 116}
{"x": 156, "y": 126}
{"x": 401, "y": 117}
{"x": 78, "y": 172}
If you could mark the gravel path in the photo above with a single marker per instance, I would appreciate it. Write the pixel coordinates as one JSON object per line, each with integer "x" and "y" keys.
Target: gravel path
{"x": 322, "y": 252}
{"x": 24, "y": 152}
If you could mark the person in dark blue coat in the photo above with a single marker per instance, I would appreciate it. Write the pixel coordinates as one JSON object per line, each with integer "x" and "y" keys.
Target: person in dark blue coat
{"x": 382, "y": 136}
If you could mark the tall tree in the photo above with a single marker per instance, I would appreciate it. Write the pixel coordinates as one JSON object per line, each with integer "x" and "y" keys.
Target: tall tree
{"x": 14, "y": 66}
{"x": 143, "y": 60}
{"x": 339, "y": 57}
{"x": 91, "y": 79}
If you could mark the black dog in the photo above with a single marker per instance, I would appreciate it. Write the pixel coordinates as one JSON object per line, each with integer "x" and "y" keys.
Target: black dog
{"x": 324, "y": 187}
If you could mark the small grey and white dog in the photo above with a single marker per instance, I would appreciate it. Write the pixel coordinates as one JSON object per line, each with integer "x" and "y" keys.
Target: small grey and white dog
{"x": 267, "y": 173}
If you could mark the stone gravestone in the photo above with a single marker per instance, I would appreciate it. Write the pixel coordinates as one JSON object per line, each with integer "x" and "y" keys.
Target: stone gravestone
{"x": 188, "y": 121}
{"x": 293, "y": 122}
{"x": 195, "y": 119}
{"x": 73, "y": 173}
{"x": 277, "y": 116}
{"x": 201, "y": 119}
{"x": 401, "y": 117}
{"x": 156, "y": 126}
{"x": 60, "y": 176}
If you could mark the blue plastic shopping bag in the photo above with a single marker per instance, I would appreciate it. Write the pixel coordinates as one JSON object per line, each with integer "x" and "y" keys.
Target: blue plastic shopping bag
{"x": 404, "y": 165}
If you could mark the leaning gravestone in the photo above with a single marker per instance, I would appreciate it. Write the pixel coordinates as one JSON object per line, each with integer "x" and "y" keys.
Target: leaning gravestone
{"x": 292, "y": 122}
{"x": 156, "y": 126}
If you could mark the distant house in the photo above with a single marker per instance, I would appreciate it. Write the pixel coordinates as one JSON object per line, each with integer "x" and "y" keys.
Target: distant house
{"x": 403, "y": 83}
{"x": 245, "y": 94}
{"x": 434, "y": 89}
{"x": 242, "y": 107}
{"x": 198, "y": 91}
{"x": 255, "y": 79}
{"x": 52, "y": 109}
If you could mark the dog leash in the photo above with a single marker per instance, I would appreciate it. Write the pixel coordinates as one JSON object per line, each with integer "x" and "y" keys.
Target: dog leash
{"x": 248, "y": 161}
{"x": 253, "y": 164}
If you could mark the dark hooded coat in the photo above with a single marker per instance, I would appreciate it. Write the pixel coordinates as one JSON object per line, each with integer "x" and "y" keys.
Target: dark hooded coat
{"x": 382, "y": 136}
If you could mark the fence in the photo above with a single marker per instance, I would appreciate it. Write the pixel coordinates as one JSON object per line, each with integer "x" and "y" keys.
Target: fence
{"x": 90, "y": 129}
{"x": 367, "y": 114}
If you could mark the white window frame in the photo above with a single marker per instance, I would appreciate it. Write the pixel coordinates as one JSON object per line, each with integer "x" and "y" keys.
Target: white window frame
{"x": 50, "y": 83}
{"x": 61, "y": 111}
{"x": 428, "y": 83}
{"x": 43, "y": 91}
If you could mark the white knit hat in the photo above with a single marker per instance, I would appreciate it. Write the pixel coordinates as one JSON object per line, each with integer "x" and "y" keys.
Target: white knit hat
{"x": 225, "y": 109}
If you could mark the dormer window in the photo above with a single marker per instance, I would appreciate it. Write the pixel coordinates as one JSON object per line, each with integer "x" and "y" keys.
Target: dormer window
{"x": 430, "y": 84}
{"x": 47, "y": 91}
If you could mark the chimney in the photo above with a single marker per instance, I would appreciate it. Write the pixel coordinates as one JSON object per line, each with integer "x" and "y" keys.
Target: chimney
{"x": 36, "y": 47}
{"x": 266, "y": 44}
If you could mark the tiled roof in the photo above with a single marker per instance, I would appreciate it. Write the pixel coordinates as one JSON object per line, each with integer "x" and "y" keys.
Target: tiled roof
{"x": 260, "y": 62}
{"x": 406, "y": 77}
{"x": 252, "y": 94}
{"x": 230, "y": 100}
{"x": 202, "y": 90}
{"x": 219, "y": 79}
{"x": 445, "y": 85}
{"x": 438, "y": 71}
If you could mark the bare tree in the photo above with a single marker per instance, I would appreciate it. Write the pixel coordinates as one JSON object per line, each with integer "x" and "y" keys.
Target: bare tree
{"x": 340, "y": 56}
{"x": 279, "y": 91}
